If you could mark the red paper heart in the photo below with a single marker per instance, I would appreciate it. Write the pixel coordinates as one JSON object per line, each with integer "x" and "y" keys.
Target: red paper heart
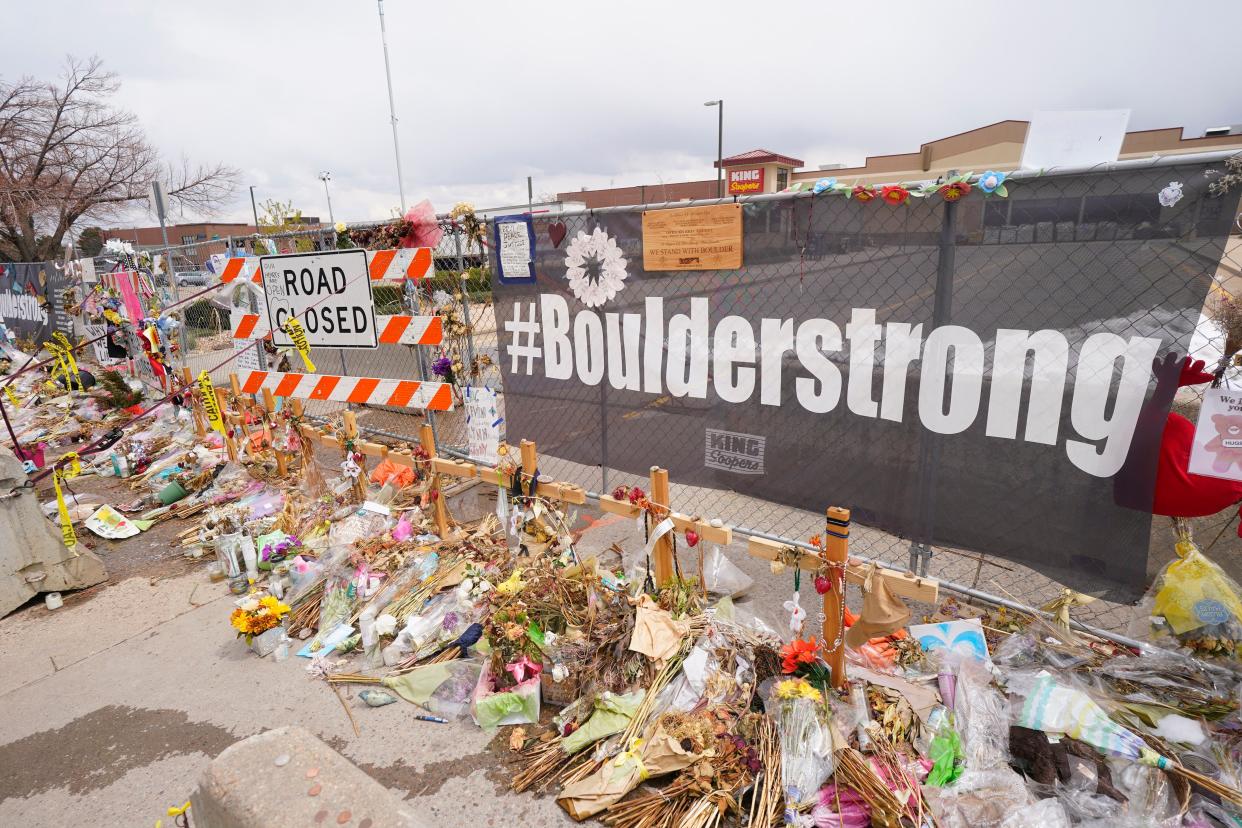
{"x": 556, "y": 232}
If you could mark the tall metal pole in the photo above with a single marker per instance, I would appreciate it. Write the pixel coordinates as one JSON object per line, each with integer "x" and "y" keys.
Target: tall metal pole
{"x": 720, "y": 150}
{"x": 719, "y": 104}
{"x": 324, "y": 176}
{"x": 392, "y": 109}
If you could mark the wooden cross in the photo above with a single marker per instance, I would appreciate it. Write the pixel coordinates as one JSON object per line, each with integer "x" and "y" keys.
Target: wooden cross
{"x": 662, "y": 553}
{"x": 835, "y": 554}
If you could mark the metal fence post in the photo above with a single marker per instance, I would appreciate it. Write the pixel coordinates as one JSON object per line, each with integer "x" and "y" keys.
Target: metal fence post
{"x": 929, "y": 445}
{"x": 465, "y": 304}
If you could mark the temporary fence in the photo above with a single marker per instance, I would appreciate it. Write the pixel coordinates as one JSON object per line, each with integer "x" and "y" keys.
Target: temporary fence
{"x": 1061, "y": 247}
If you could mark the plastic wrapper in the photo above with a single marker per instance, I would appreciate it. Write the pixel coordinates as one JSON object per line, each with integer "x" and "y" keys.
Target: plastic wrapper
{"x": 512, "y": 706}
{"x": 982, "y": 717}
{"x": 1195, "y": 605}
{"x": 979, "y": 799}
{"x": 612, "y": 714}
{"x": 1046, "y": 813}
{"x": 721, "y": 576}
{"x": 807, "y": 747}
{"x": 445, "y": 689}
{"x": 359, "y": 526}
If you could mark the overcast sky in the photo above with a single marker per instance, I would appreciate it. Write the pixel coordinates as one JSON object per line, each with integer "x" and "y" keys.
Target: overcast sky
{"x": 591, "y": 93}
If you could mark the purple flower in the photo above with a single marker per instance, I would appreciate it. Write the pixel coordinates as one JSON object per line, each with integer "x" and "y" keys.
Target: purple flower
{"x": 450, "y": 621}
{"x": 442, "y": 367}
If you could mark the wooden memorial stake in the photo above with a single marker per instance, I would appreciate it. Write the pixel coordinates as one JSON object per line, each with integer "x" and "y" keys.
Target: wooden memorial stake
{"x": 708, "y": 531}
{"x": 351, "y": 439}
{"x": 836, "y": 555}
{"x": 439, "y": 508}
{"x": 282, "y": 459}
{"x": 663, "y": 551}
{"x": 229, "y": 444}
{"x": 190, "y": 394}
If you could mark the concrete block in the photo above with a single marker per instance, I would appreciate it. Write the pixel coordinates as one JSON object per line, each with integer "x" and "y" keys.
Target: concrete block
{"x": 290, "y": 777}
{"x": 33, "y": 558}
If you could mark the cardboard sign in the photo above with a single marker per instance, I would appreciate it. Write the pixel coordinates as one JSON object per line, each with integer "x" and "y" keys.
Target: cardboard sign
{"x": 1217, "y": 447}
{"x": 483, "y": 425}
{"x": 99, "y": 348}
{"x": 328, "y": 292}
{"x": 693, "y": 238}
{"x": 746, "y": 182}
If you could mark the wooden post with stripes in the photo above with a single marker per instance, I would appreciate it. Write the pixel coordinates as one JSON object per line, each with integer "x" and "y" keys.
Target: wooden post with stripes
{"x": 439, "y": 508}
{"x": 836, "y": 555}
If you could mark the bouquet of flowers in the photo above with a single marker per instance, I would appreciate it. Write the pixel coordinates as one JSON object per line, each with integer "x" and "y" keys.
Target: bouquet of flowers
{"x": 256, "y": 616}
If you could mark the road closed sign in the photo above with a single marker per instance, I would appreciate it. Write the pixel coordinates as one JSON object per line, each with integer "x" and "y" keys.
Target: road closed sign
{"x": 328, "y": 292}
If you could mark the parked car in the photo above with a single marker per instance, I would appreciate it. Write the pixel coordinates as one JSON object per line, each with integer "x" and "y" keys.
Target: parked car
{"x": 191, "y": 277}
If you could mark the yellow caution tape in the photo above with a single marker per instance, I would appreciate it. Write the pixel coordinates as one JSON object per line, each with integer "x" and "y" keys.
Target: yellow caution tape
{"x": 59, "y": 475}
{"x": 8, "y": 391}
{"x": 294, "y": 328}
{"x": 210, "y": 404}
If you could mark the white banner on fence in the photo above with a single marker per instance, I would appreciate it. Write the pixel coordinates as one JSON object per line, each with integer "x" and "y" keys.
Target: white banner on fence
{"x": 483, "y": 425}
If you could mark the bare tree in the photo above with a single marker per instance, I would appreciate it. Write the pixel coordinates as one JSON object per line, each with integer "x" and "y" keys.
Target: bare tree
{"x": 68, "y": 154}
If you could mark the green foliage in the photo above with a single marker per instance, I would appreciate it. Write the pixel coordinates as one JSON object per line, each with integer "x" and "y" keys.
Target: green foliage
{"x": 281, "y": 217}
{"x": 91, "y": 241}
{"x": 117, "y": 394}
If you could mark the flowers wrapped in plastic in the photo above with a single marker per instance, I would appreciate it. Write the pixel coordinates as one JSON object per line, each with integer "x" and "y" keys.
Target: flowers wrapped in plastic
{"x": 1194, "y": 604}
{"x": 806, "y": 739}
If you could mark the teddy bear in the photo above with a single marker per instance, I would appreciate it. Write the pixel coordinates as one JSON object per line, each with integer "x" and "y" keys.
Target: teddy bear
{"x": 1227, "y": 444}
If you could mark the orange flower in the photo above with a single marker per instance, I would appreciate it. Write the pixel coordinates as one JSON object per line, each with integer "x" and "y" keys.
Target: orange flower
{"x": 863, "y": 193}
{"x": 799, "y": 652}
{"x": 817, "y": 541}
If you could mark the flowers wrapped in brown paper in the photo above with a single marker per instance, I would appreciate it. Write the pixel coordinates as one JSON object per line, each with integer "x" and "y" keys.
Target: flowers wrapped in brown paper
{"x": 658, "y": 754}
{"x": 656, "y": 634}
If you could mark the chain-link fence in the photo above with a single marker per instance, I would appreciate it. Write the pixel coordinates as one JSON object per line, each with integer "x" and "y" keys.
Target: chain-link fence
{"x": 1060, "y": 248}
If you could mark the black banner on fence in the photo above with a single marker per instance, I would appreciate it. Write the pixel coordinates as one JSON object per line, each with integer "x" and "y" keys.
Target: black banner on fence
{"x": 968, "y": 374}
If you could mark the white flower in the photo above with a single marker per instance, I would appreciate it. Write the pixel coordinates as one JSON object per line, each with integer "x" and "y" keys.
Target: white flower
{"x": 594, "y": 267}
{"x": 441, "y": 298}
{"x": 1171, "y": 194}
{"x": 119, "y": 247}
{"x": 796, "y": 613}
{"x": 250, "y": 605}
{"x": 385, "y": 625}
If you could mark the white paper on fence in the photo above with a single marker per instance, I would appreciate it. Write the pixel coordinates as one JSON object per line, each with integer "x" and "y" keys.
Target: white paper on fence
{"x": 1216, "y": 450}
{"x": 109, "y": 523}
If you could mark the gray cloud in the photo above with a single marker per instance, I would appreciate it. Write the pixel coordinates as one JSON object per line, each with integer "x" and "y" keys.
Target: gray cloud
{"x": 590, "y": 94}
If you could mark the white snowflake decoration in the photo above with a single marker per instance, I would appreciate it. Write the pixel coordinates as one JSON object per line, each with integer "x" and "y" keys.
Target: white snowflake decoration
{"x": 595, "y": 267}
{"x": 1171, "y": 194}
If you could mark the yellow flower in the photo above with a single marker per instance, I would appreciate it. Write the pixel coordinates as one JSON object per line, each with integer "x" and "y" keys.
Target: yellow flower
{"x": 797, "y": 689}
{"x": 513, "y": 584}
{"x": 339, "y": 227}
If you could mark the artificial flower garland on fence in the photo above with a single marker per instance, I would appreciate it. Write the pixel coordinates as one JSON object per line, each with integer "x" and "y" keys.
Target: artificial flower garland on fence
{"x": 990, "y": 183}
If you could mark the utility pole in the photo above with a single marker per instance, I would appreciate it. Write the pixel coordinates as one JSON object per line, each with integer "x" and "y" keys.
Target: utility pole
{"x": 392, "y": 109}
{"x": 719, "y": 104}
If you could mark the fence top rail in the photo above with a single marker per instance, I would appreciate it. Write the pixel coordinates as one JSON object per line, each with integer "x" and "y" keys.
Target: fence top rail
{"x": 1103, "y": 167}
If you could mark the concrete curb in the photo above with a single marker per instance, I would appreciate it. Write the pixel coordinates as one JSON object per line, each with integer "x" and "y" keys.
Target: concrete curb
{"x": 288, "y": 776}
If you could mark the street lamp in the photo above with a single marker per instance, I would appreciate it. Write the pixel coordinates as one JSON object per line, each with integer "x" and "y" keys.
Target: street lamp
{"x": 392, "y": 109}
{"x": 719, "y": 146}
{"x": 325, "y": 177}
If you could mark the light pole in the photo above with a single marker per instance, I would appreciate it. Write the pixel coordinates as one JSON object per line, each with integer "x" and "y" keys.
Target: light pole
{"x": 326, "y": 176}
{"x": 719, "y": 145}
{"x": 255, "y": 209}
{"x": 392, "y": 109}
